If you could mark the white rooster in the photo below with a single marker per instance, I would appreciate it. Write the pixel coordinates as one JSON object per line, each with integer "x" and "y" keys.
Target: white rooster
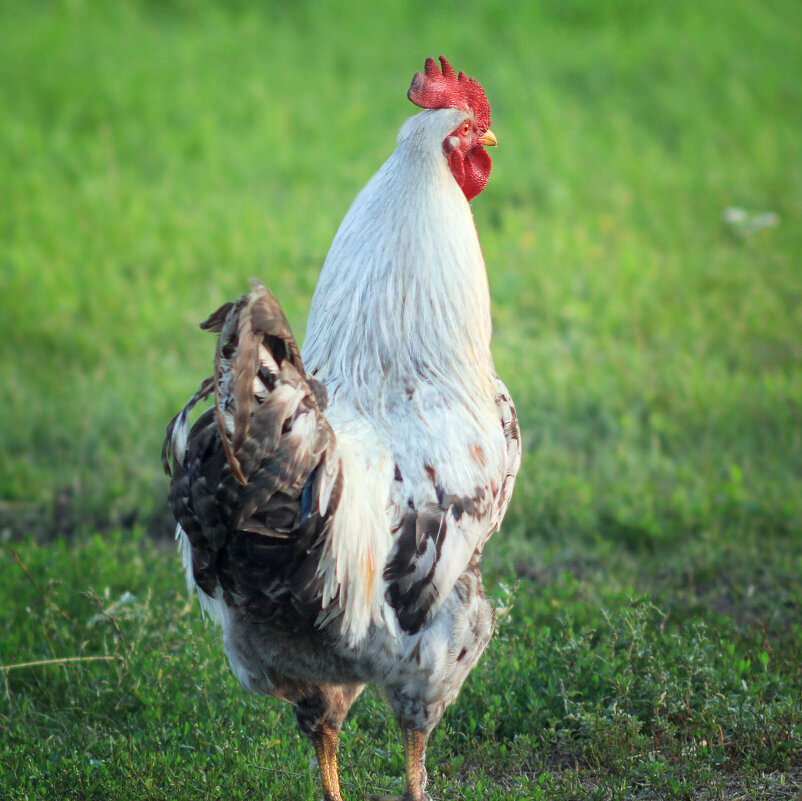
{"x": 333, "y": 510}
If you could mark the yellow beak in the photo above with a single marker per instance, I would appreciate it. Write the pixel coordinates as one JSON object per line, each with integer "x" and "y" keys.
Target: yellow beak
{"x": 489, "y": 139}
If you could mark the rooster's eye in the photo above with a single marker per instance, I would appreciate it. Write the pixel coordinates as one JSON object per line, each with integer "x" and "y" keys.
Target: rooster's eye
{"x": 466, "y": 126}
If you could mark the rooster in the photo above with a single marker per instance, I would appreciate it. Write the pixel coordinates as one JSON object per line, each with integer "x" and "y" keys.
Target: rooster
{"x": 333, "y": 504}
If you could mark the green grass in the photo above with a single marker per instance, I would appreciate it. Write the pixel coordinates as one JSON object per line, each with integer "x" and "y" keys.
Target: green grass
{"x": 155, "y": 156}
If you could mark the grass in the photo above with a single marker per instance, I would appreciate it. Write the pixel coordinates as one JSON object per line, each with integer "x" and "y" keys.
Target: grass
{"x": 157, "y": 155}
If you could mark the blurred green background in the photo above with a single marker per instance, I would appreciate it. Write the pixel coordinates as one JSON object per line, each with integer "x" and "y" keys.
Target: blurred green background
{"x": 641, "y": 230}
{"x": 157, "y": 156}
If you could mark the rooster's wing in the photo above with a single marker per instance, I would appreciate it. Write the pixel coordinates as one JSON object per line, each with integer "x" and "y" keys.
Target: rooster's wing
{"x": 434, "y": 543}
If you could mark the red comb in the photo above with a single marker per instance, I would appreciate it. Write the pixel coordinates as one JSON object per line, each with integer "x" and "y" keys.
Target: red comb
{"x": 435, "y": 89}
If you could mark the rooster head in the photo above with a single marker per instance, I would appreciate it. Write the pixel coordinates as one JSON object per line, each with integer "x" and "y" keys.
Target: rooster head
{"x": 464, "y": 148}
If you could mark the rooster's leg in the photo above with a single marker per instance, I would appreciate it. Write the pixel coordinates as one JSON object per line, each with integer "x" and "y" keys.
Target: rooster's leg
{"x": 415, "y": 765}
{"x": 414, "y": 769}
{"x": 325, "y": 741}
{"x": 320, "y": 710}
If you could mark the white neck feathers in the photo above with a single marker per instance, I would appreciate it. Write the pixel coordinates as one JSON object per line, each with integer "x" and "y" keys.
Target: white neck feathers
{"x": 403, "y": 295}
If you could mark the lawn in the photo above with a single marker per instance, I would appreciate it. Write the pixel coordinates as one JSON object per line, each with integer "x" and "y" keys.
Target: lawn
{"x": 642, "y": 231}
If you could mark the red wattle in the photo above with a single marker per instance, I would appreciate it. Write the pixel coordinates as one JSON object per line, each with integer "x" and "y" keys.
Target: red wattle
{"x": 456, "y": 164}
{"x": 476, "y": 171}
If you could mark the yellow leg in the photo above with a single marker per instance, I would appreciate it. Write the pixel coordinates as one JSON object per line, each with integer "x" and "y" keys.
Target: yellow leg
{"x": 414, "y": 769}
{"x": 415, "y": 759}
{"x": 325, "y": 741}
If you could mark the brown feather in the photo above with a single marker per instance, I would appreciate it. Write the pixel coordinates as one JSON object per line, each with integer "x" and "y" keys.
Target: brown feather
{"x": 229, "y": 325}
{"x": 214, "y": 322}
{"x": 249, "y": 500}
